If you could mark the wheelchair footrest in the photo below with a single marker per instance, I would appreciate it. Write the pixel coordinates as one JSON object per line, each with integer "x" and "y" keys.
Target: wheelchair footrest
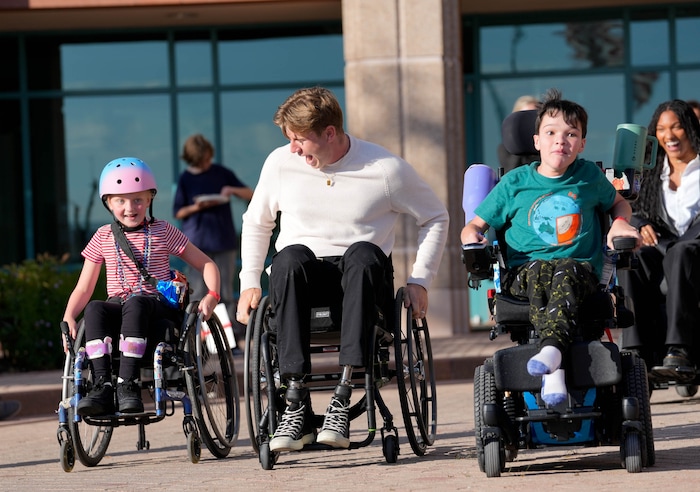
{"x": 587, "y": 364}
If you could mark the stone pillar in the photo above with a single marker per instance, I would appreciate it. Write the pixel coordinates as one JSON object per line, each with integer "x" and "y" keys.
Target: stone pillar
{"x": 403, "y": 90}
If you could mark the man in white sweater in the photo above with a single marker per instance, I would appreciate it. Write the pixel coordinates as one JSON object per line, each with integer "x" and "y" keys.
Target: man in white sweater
{"x": 339, "y": 199}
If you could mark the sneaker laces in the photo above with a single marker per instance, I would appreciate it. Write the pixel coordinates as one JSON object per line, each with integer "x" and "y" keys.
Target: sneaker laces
{"x": 291, "y": 423}
{"x": 337, "y": 416}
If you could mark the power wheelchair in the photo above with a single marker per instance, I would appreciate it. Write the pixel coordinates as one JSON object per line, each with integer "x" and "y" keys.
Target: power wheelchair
{"x": 412, "y": 366}
{"x": 192, "y": 363}
{"x": 608, "y": 394}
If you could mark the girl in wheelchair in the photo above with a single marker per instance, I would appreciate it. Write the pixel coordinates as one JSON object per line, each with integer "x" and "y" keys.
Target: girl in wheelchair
{"x": 127, "y": 188}
{"x": 548, "y": 214}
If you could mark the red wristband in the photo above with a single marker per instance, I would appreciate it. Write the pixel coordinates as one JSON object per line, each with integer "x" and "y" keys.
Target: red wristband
{"x": 620, "y": 217}
{"x": 215, "y": 295}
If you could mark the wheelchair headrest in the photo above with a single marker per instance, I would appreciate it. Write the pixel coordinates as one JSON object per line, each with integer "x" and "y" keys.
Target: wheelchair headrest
{"x": 517, "y": 131}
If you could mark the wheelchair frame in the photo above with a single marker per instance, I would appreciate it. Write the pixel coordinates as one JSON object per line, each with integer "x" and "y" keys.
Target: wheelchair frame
{"x": 209, "y": 395}
{"x": 413, "y": 369}
{"x": 608, "y": 393}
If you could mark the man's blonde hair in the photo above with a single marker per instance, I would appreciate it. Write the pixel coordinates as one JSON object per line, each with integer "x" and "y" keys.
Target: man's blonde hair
{"x": 309, "y": 110}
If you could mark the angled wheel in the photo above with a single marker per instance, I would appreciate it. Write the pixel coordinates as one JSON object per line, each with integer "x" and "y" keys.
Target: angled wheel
{"x": 90, "y": 442}
{"x": 631, "y": 452}
{"x": 686, "y": 390}
{"x": 67, "y": 455}
{"x": 636, "y": 385}
{"x": 213, "y": 387}
{"x": 415, "y": 377}
{"x": 260, "y": 389}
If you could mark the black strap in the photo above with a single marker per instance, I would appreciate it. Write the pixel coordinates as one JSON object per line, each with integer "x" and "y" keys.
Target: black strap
{"x": 124, "y": 244}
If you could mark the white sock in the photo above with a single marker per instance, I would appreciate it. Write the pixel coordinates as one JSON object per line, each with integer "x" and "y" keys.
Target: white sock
{"x": 546, "y": 361}
{"x": 554, "y": 388}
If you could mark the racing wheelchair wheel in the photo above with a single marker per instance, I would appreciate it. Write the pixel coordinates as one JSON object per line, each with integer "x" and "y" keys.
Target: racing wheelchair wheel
{"x": 90, "y": 442}
{"x": 415, "y": 377}
{"x": 212, "y": 386}
{"x": 260, "y": 408}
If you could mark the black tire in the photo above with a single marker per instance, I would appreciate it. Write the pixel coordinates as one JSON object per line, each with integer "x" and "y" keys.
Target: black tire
{"x": 213, "y": 387}
{"x": 686, "y": 390}
{"x": 194, "y": 447}
{"x": 636, "y": 385}
{"x": 632, "y": 452}
{"x": 90, "y": 442}
{"x": 415, "y": 378}
{"x": 67, "y": 456}
{"x": 264, "y": 411}
{"x": 493, "y": 458}
{"x": 390, "y": 448}
{"x": 484, "y": 392}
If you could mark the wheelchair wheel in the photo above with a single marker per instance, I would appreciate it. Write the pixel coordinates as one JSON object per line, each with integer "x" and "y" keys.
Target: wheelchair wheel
{"x": 636, "y": 385}
{"x": 484, "y": 392}
{"x": 261, "y": 409}
{"x": 213, "y": 387}
{"x": 415, "y": 377}
{"x": 631, "y": 452}
{"x": 90, "y": 442}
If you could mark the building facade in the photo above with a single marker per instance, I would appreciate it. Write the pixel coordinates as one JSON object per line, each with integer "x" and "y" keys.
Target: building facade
{"x": 85, "y": 81}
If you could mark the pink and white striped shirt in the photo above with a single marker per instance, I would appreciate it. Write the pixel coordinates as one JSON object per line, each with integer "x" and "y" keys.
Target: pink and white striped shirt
{"x": 165, "y": 240}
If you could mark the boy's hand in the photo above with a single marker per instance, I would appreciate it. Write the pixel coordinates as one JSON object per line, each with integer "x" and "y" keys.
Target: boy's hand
{"x": 472, "y": 235}
{"x": 622, "y": 228}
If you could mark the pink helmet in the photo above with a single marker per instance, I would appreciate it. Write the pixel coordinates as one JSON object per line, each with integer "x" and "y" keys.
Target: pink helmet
{"x": 126, "y": 175}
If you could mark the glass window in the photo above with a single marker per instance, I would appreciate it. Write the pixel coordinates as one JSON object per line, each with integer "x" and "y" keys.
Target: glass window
{"x": 649, "y": 90}
{"x": 193, "y": 63}
{"x": 649, "y": 42}
{"x": 689, "y": 84}
{"x": 9, "y": 61}
{"x": 286, "y": 60}
{"x": 687, "y": 30}
{"x": 195, "y": 112}
{"x": 12, "y": 225}
{"x": 526, "y": 48}
{"x": 99, "y": 129}
{"x": 134, "y": 64}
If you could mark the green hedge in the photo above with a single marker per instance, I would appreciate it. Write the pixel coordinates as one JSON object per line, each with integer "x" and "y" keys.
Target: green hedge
{"x": 33, "y": 297}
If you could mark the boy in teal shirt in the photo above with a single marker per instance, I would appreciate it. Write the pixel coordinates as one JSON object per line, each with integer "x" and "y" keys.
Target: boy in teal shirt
{"x": 548, "y": 214}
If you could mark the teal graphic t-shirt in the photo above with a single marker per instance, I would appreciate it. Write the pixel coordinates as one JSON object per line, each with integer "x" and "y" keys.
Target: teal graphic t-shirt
{"x": 547, "y": 218}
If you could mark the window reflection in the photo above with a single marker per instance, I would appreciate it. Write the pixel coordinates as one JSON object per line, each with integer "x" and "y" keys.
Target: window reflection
{"x": 193, "y": 64}
{"x": 686, "y": 40}
{"x": 286, "y": 60}
{"x": 649, "y": 42}
{"x": 114, "y": 65}
{"x": 526, "y": 48}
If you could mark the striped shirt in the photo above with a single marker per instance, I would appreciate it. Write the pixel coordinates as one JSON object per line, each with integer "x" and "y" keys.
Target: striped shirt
{"x": 123, "y": 277}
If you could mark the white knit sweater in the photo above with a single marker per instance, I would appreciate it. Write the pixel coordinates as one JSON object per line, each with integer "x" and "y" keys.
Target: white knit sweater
{"x": 370, "y": 189}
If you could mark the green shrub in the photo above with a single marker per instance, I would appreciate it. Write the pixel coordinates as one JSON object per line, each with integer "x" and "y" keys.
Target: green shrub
{"x": 33, "y": 297}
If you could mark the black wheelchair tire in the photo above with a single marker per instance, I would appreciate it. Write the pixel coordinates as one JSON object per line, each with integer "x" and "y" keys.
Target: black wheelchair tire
{"x": 210, "y": 388}
{"x": 90, "y": 442}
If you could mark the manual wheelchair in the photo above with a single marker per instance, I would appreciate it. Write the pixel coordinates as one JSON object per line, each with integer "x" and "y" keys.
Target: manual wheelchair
{"x": 608, "y": 394}
{"x": 412, "y": 366}
{"x": 192, "y": 363}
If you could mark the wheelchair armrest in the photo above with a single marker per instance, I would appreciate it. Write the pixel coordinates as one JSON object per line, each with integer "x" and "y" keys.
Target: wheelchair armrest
{"x": 478, "y": 259}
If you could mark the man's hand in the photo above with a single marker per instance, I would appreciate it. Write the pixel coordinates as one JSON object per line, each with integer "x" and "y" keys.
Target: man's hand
{"x": 417, "y": 297}
{"x": 249, "y": 300}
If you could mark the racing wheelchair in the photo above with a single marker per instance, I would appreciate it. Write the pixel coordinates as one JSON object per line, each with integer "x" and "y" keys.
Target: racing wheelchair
{"x": 192, "y": 363}
{"x": 412, "y": 366}
{"x": 608, "y": 394}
